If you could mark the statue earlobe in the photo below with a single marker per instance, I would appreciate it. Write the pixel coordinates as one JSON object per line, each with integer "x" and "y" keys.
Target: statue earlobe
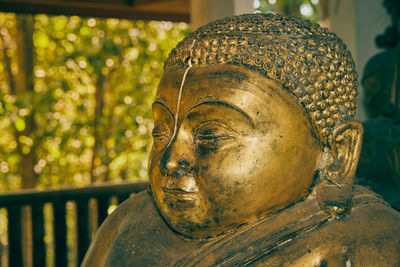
{"x": 334, "y": 188}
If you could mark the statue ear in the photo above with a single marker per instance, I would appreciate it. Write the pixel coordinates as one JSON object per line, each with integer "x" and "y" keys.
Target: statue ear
{"x": 334, "y": 189}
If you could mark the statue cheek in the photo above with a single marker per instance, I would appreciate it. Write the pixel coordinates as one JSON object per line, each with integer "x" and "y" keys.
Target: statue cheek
{"x": 153, "y": 167}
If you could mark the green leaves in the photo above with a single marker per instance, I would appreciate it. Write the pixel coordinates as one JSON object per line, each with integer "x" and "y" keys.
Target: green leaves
{"x": 41, "y": 40}
{"x": 19, "y": 124}
{"x": 94, "y": 82}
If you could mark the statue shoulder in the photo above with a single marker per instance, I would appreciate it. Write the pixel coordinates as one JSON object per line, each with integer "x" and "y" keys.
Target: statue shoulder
{"x": 377, "y": 226}
{"x": 370, "y": 209}
{"x": 135, "y": 234}
{"x": 369, "y": 235}
{"x": 127, "y": 212}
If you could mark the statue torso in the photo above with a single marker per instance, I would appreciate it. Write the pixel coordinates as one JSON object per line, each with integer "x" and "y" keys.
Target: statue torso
{"x": 136, "y": 235}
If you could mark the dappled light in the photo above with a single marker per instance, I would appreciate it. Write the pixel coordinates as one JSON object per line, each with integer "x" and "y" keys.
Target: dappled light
{"x": 77, "y": 108}
{"x": 306, "y": 9}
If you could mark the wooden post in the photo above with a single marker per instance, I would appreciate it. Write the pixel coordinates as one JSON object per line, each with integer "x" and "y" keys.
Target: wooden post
{"x": 14, "y": 236}
{"x": 102, "y": 208}
{"x": 82, "y": 208}
{"x": 60, "y": 234}
{"x": 39, "y": 253}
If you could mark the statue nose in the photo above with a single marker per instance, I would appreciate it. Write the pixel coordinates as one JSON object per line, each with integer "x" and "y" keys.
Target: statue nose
{"x": 177, "y": 159}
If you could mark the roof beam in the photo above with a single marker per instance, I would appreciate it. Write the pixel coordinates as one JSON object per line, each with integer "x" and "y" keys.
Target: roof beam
{"x": 168, "y": 10}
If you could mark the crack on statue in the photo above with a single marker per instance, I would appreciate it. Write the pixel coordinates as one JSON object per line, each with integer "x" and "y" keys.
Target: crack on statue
{"x": 261, "y": 172}
{"x": 189, "y": 60}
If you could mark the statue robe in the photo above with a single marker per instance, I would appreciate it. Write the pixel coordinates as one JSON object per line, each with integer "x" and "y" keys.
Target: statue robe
{"x": 301, "y": 235}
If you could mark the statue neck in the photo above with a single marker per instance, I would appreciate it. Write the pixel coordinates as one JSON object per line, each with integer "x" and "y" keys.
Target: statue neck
{"x": 254, "y": 238}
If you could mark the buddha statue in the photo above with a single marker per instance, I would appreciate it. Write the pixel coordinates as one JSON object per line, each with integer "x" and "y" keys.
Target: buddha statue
{"x": 379, "y": 164}
{"x": 255, "y": 150}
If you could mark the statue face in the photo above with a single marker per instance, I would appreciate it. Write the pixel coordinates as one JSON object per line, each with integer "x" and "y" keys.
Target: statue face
{"x": 243, "y": 148}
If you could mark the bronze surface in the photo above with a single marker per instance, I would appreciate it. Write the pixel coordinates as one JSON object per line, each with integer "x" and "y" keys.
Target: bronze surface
{"x": 239, "y": 133}
{"x": 254, "y": 155}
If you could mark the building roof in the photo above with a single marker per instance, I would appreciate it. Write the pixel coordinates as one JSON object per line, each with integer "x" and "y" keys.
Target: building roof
{"x": 170, "y": 10}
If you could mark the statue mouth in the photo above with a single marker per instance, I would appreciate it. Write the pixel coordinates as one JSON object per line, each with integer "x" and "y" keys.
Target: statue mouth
{"x": 180, "y": 194}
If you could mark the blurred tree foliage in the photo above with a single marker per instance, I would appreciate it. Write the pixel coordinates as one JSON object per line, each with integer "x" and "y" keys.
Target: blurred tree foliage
{"x": 76, "y": 95}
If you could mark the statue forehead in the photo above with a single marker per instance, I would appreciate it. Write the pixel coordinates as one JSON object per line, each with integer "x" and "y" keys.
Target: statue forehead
{"x": 173, "y": 75}
{"x": 244, "y": 88}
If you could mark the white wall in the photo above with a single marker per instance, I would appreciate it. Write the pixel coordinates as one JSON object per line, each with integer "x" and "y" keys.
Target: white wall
{"x": 205, "y": 11}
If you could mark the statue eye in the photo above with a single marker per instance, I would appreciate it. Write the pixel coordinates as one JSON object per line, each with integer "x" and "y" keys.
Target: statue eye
{"x": 213, "y": 135}
{"x": 161, "y": 133}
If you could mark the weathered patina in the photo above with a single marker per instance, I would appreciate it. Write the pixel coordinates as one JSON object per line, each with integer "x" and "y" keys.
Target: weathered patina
{"x": 254, "y": 155}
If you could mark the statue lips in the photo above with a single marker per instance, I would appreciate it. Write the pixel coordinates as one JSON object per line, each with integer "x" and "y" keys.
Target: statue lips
{"x": 176, "y": 197}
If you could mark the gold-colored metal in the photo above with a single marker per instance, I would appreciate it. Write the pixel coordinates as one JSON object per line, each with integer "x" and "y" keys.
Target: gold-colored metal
{"x": 254, "y": 155}
{"x": 307, "y": 60}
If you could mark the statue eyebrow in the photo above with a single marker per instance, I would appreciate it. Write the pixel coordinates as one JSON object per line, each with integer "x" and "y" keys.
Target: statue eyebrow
{"x": 224, "y": 103}
{"x": 160, "y": 102}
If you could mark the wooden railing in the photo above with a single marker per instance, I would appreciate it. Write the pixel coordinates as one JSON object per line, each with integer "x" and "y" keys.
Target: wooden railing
{"x": 29, "y": 205}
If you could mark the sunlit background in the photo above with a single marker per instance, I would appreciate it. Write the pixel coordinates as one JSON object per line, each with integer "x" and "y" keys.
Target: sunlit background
{"x": 83, "y": 114}
{"x": 306, "y": 9}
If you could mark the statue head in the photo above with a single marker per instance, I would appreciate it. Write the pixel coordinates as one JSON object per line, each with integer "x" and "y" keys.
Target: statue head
{"x": 253, "y": 114}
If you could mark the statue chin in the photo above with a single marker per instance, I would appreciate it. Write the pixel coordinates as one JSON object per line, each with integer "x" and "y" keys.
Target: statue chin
{"x": 255, "y": 150}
